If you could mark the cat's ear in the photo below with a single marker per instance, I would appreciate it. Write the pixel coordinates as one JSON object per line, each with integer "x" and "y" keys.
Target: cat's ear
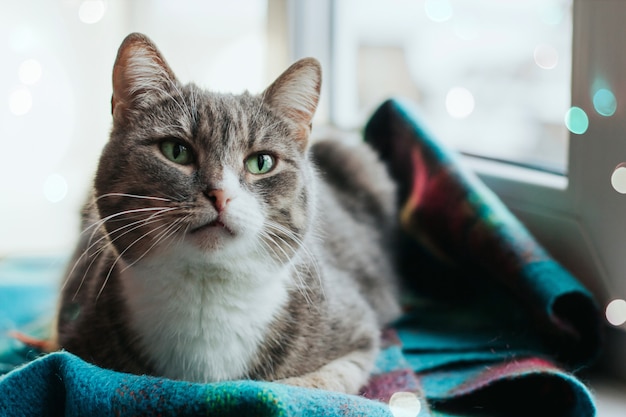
{"x": 296, "y": 92}
{"x": 139, "y": 74}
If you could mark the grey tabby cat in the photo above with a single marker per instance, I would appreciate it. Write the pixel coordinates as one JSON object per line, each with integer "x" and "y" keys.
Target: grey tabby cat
{"x": 220, "y": 244}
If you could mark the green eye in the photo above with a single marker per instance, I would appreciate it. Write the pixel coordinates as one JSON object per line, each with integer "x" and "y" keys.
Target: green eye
{"x": 176, "y": 152}
{"x": 260, "y": 163}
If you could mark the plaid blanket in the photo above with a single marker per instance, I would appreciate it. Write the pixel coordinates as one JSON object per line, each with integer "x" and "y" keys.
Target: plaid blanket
{"x": 494, "y": 326}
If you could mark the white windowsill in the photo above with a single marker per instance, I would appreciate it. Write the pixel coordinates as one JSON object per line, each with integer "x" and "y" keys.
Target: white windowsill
{"x": 510, "y": 172}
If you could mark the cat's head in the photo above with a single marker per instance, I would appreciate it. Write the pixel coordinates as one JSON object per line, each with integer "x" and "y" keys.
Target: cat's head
{"x": 219, "y": 174}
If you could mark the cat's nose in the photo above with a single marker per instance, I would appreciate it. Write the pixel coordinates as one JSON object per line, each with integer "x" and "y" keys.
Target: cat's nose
{"x": 218, "y": 198}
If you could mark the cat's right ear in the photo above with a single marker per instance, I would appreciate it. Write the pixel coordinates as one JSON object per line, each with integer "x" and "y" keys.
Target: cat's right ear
{"x": 140, "y": 74}
{"x": 296, "y": 92}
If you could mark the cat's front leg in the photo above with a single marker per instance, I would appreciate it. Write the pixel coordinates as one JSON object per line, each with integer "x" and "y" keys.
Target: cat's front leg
{"x": 345, "y": 374}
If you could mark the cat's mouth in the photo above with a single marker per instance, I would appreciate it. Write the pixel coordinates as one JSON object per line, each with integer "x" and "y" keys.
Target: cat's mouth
{"x": 213, "y": 225}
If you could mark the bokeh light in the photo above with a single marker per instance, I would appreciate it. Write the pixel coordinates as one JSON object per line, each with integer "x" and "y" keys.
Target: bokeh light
{"x": 618, "y": 178}
{"x": 546, "y": 56}
{"x": 551, "y": 13}
{"x": 91, "y": 11}
{"x": 438, "y": 10}
{"x": 30, "y": 71}
{"x": 616, "y": 312}
{"x": 55, "y": 188}
{"x": 404, "y": 404}
{"x": 576, "y": 120}
{"x": 604, "y": 102}
{"x": 459, "y": 102}
{"x": 20, "y": 101}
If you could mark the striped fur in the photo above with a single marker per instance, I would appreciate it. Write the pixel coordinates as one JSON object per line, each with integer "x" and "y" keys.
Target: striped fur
{"x": 288, "y": 277}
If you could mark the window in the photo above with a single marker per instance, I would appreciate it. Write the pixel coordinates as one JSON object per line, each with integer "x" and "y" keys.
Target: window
{"x": 492, "y": 78}
{"x": 574, "y": 210}
{"x": 55, "y": 89}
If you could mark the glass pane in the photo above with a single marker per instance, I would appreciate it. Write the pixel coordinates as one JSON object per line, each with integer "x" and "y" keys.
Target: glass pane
{"x": 220, "y": 45}
{"x": 492, "y": 77}
{"x": 55, "y": 91}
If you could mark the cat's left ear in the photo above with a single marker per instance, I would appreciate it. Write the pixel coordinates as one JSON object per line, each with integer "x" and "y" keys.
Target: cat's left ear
{"x": 296, "y": 92}
{"x": 140, "y": 75}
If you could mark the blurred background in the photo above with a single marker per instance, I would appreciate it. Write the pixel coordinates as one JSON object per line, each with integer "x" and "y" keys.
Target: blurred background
{"x": 492, "y": 77}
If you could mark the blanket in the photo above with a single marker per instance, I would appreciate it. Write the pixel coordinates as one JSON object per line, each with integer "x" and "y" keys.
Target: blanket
{"x": 493, "y": 327}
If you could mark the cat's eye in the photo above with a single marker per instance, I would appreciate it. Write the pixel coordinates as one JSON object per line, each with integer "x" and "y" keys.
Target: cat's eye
{"x": 260, "y": 163}
{"x": 176, "y": 152}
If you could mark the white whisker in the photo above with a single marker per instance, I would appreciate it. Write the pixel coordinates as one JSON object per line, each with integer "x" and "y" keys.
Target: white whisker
{"x": 275, "y": 231}
{"x": 132, "y": 196}
{"x": 106, "y": 280}
{"x": 101, "y": 249}
{"x": 100, "y": 222}
{"x": 153, "y": 218}
{"x": 164, "y": 234}
{"x": 289, "y": 234}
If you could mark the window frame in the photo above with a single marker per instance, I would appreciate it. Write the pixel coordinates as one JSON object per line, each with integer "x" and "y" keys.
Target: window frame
{"x": 577, "y": 216}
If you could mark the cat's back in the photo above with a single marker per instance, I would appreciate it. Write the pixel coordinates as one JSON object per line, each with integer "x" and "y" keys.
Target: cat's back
{"x": 357, "y": 207}
{"x": 357, "y": 178}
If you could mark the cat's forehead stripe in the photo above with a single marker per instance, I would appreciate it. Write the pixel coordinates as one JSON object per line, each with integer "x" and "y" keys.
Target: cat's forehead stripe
{"x": 223, "y": 119}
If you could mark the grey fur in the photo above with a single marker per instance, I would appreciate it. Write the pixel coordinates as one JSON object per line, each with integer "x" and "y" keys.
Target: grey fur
{"x": 335, "y": 201}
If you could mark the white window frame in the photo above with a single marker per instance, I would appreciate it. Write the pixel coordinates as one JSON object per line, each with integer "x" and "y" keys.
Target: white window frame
{"x": 579, "y": 218}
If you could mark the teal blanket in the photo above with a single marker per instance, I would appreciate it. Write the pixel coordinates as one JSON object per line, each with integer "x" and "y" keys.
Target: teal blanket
{"x": 494, "y": 326}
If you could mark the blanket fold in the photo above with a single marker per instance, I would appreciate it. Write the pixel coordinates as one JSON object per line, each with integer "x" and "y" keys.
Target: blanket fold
{"x": 493, "y": 325}
{"x": 60, "y": 384}
{"x": 460, "y": 223}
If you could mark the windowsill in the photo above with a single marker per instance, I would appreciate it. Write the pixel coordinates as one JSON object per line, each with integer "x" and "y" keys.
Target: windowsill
{"x": 610, "y": 396}
{"x": 523, "y": 188}
{"x": 501, "y": 170}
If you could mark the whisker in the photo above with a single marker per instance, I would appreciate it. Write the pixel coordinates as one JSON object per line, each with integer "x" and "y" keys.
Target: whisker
{"x": 258, "y": 110}
{"x": 100, "y": 250}
{"x": 164, "y": 234}
{"x": 291, "y": 235}
{"x": 163, "y": 92}
{"x": 303, "y": 286}
{"x": 137, "y": 224}
{"x": 186, "y": 109}
{"x": 265, "y": 237}
{"x": 149, "y": 220}
{"x": 82, "y": 281}
{"x": 97, "y": 224}
{"x": 132, "y": 196}
{"x": 268, "y": 236}
{"x": 106, "y": 280}
{"x": 274, "y": 231}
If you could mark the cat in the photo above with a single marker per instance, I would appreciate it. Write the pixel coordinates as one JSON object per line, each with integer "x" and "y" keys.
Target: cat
{"x": 220, "y": 243}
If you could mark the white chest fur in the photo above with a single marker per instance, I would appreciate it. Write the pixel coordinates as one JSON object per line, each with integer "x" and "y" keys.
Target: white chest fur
{"x": 202, "y": 322}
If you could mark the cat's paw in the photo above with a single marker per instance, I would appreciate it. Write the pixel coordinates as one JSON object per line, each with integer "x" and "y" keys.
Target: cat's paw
{"x": 346, "y": 374}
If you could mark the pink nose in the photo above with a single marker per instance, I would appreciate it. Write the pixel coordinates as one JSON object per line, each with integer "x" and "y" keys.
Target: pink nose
{"x": 218, "y": 198}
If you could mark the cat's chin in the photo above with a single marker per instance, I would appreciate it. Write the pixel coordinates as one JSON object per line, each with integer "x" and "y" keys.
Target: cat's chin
{"x": 211, "y": 236}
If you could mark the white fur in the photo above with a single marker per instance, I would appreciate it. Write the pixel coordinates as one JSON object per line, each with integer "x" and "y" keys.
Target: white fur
{"x": 345, "y": 374}
{"x": 202, "y": 314}
{"x": 203, "y": 322}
